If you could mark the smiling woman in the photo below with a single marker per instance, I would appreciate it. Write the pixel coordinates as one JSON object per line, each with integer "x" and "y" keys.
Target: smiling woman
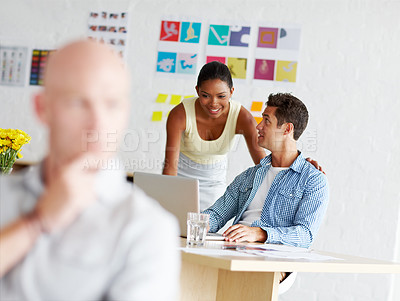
{"x": 201, "y": 131}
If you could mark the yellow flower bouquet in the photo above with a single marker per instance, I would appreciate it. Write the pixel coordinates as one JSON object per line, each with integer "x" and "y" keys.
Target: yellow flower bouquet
{"x": 11, "y": 142}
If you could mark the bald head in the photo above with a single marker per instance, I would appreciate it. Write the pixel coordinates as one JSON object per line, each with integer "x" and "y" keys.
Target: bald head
{"x": 86, "y": 90}
{"x": 82, "y": 60}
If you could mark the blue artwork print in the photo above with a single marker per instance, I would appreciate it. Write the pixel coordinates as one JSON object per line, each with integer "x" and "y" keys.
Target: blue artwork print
{"x": 240, "y": 36}
{"x": 166, "y": 62}
{"x": 190, "y": 32}
{"x": 187, "y": 63}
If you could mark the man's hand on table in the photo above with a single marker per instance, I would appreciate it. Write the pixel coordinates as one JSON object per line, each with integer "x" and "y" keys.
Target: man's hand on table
{"x": 240, "y": 233}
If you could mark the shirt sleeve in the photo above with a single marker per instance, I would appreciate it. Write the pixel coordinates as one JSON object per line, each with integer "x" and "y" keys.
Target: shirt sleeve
{"x": 308, "y": 217}
{"x": 152, "y": 267}
{"x": 227, "y": 206}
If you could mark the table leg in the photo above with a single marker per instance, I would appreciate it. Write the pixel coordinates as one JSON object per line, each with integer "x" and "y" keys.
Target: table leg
{"x": 202, "y": 283}
{"x": 255, "y": 286}
{"x": 198, "y": 283}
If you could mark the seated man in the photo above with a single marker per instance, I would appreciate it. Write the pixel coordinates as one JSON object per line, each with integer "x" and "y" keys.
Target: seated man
{"x": 72, "y": 228}
{"x": 283, "y": 199}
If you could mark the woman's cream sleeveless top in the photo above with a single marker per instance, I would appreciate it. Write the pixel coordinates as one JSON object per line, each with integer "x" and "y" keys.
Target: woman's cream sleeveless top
{"x": 203, "y": 151}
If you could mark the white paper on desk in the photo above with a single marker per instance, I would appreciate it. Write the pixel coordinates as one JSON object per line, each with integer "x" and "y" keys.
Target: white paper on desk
{"x": 277, "y": 247}
{"x": 289, "y": 255}
{"x": 216, "y": 252}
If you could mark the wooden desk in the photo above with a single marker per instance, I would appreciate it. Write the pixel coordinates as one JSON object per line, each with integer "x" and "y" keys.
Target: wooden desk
{"x": 231, "y": 278}
{"x": 21, "y": 164}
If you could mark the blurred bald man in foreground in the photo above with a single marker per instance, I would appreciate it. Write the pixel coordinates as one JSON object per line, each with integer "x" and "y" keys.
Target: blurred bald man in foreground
{"x": 70, "y": 228}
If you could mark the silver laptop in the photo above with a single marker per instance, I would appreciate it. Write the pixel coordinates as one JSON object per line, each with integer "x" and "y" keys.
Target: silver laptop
{"x": 176, "y": 194}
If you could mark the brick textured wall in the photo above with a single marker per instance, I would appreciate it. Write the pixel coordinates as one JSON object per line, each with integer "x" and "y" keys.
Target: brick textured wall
{"x": 348, "y": 78}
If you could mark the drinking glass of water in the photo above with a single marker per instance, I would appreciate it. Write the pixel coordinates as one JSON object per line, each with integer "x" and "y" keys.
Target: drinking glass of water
{"x": 197, "y": 226}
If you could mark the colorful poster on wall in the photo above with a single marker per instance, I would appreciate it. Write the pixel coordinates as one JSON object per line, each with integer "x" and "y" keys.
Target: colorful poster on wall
{"x": 276, "y": 54}
{"x": 109, "y": 28}
{"x": 13, "y": 65}
{"x": 39, "y": 59}
{"x": 178, "y": 48}
{"x": 229, "y": 44}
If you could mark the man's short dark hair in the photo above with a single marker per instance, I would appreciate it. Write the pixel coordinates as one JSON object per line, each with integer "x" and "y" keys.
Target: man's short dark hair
{"x": 290, "y": 109}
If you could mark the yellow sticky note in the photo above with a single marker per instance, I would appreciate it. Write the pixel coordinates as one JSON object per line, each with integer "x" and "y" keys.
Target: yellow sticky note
{"x": 188, "y": 96}
{"x": 175, "y": 99}
{"x": 256, "y": 106}
{"x": 286, "y": 71}
{"x": 258, "y": 119}
{"x": 157, "y": 116}
{"x": 161, "y": 98}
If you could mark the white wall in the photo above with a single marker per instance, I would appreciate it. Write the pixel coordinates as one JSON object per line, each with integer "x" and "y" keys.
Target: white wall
{"x": 348, "y": 78}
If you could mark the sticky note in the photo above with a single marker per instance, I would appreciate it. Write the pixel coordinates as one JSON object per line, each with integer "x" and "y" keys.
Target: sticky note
{"x": 256, "y": 106}
{"x": 161, "y": 98}
{"x": 157, "y": 116}
{"x": 188, "y": 96}
{"x": 175, "y": 99}
{"x": 258, "y": 119}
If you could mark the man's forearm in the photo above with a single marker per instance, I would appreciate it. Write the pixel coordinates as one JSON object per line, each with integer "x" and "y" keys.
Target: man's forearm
{"x": 17, "y": 239}
{"x": 298, "y": 236}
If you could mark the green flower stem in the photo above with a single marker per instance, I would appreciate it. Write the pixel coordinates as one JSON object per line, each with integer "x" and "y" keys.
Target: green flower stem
{"x": 7, "y": 160}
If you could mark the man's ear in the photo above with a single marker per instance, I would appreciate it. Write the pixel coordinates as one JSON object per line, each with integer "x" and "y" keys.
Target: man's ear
{"x": 289, "y": 128}
{"x": 197, "y": 90}
{"x": 39, "y": 105}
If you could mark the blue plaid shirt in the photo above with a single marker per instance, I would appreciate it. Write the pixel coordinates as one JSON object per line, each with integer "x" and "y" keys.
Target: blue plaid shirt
{"x": 293, "y": 208}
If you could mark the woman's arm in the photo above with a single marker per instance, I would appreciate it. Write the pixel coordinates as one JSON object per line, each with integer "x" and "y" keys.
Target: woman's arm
{"x": 246, "y": 125}
{"x": 176, "y": 124}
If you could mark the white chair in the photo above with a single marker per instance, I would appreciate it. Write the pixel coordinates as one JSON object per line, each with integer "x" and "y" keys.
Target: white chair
{"x": 286, "y": 284}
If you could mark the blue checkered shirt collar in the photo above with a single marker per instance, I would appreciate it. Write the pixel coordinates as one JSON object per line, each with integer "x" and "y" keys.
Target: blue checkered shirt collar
{"x": 296, "y": 166}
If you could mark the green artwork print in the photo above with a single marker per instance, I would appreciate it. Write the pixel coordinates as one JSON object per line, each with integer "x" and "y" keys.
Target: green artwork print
{"x": 218, "y": 35}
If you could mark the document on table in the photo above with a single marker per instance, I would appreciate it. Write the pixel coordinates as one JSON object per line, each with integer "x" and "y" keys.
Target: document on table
{"x": 259, "y": 250}
{"x": 216, "y": 252}
{"x": 283, "y": 251}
